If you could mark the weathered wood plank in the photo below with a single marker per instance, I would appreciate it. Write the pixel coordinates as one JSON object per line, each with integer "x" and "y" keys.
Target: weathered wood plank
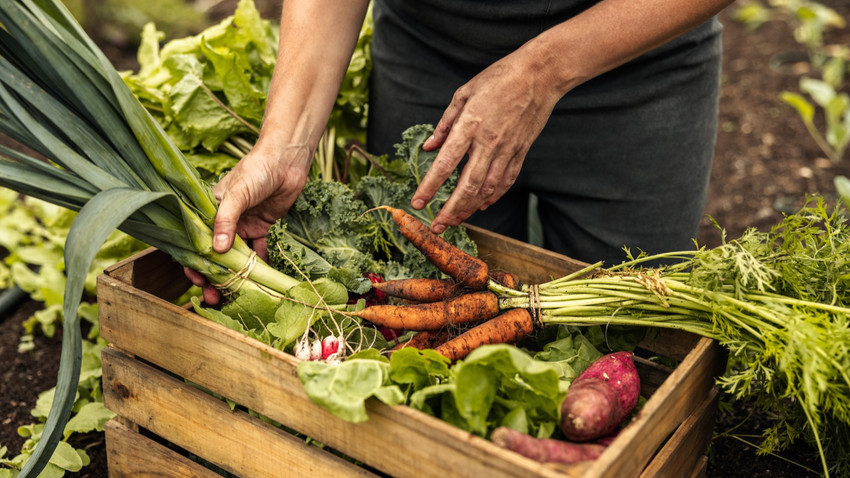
{"x": 132, "y": 455}
{"x": 682, "y": 453}
{"x": 207, "y": 427}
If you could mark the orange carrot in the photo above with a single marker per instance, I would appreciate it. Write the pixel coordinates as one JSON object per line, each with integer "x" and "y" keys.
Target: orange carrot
{"x": 419, "y": 289}
{"x": 463, "y": 309}
{"x": 507, "y": 279}
{"x": 457, "y": 264}
{"x": 426, "y": 339}
{"x": 507, "y": 327}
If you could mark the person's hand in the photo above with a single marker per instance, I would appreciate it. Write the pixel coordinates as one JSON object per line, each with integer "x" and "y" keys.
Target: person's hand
{"x": 258, "y": 191}
{"x": 493, "y": 118}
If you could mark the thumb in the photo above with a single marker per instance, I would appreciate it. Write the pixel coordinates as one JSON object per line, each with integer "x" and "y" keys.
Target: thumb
{"x": 224, "y": 228}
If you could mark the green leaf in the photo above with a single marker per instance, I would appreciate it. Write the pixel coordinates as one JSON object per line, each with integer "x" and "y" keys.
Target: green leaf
{"x": 803, "y": 107}
{"x": 821, "y": 91}
{"x": 91, "y": 417}
{"x": 218, "y": 316}
{"x": 95, "y": 222}
{"x": 417, "y": 369}
{"x": 512, "y": 375}
{"x": 66, "y": 458}
{"x": 252, "y": 308}
{"x": 344, "y": 388}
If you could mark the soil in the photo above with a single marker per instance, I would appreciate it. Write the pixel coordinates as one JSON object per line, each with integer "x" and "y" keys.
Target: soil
{"x": 765, "y": 164}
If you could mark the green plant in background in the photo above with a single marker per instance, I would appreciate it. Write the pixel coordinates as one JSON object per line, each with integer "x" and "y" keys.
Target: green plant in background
{"x": 115, "y": 21}
{"x": 822, "y": 103}
{"x": 209, "y": 90}
{"x": 809, "y": 19}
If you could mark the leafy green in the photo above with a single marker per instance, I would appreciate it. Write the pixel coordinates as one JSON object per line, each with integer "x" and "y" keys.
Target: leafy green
{"x": 209, "y": 90}
{"x": 495, "y": 385}
{"x": 336, "y": 221}
{"x": 343, "y": 389}
{"x": 211, "y": 86}
{"x": 279, "y": 322}
{"x": 329, "y": 221}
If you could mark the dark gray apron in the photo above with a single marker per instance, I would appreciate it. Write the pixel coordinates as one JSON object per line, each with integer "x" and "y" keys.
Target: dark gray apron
{"x": 624, "y": 160}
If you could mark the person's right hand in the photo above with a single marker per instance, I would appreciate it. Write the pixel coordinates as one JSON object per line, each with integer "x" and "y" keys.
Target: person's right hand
{"x": 258, "y": 191}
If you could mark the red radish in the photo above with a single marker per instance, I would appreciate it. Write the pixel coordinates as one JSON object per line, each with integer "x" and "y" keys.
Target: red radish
{"x": 545, "y": 450}
{"x": 330, "y": 346}
{"x": 600, "y": 398}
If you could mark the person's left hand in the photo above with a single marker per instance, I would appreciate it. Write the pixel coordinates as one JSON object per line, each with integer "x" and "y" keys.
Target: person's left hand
{"x": 494, "y": 118}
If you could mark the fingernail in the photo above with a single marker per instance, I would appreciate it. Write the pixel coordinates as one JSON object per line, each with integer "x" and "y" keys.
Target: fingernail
{"x": 438, "y": 228}
{"x": 220, "y": 242}
{"x": 418, "y": 204}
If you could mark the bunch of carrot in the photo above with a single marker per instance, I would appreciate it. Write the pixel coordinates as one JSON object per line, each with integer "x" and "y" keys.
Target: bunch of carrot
{"x": 441, "y": 308}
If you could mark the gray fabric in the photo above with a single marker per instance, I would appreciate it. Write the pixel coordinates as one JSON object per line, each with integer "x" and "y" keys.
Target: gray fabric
{"x": 624, "y": 159}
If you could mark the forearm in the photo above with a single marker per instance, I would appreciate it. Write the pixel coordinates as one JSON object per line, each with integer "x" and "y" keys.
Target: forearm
{"x": 316, "y": 42}
{"x": 609, "y": 34}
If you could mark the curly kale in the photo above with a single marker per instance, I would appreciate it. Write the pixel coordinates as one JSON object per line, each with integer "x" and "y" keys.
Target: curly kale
{"x": 331, "y": 230}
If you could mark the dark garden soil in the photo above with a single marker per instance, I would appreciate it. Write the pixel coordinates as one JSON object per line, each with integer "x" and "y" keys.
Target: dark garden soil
{"x": 765, "y": 164}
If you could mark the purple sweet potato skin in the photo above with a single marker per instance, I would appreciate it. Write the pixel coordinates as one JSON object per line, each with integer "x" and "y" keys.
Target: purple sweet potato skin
{"x": 590, "y": 410}
{"x": 545, "y": 450}
{"x": 599, "y": 399}
{"x": 619, "y": 370}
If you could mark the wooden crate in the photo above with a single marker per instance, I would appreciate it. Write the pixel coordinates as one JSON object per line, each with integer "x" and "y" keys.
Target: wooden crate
{"x": 163, "y": 360}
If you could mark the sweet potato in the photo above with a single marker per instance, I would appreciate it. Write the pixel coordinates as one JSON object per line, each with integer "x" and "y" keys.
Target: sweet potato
{"x": 545, "y": 450}
{"x": 600, "y": 398}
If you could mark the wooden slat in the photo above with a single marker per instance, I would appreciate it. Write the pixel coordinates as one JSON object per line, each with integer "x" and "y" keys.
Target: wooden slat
{"x": 397, "y": 440}
{"x": 154, "y": 271}
{"x": 674, "y": 401}
{"x": 205, "y": 425}
{"x": 532, "y": 264}
{"x": 132, "y": 455}
{"x": 701, "y": 469}
{"x": 681, "y": 454}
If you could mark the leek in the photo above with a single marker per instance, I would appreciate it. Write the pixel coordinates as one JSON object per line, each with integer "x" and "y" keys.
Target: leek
{"x": 108, "y": 159}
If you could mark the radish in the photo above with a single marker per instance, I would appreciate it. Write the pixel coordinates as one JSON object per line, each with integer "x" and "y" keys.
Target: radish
{"x": 302, "y": 350}
{"x": 316, "y": 349}
{"x": 330, "y": 346}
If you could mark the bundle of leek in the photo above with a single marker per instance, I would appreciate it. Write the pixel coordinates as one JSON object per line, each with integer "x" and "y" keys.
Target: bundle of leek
{"x": 108, "y": 159}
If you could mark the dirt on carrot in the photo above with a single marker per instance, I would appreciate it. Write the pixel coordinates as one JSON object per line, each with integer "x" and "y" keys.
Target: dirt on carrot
{"x": 421, "y": 290}
{"x": 427, "y": 339}
{"x": 506, "y": 328}
{"x": 463, "y": 309}
{"x": 507, "y": 279}
{"x": 452, "y": 261}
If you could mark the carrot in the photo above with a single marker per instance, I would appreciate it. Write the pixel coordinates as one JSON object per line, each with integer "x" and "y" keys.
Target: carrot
{"x": 426, "y": 339}
{"x": 452, "y": 261}
{"x": 507, "y": 279}
{"x": 419, "y": 289}
{"x": 507, "y": 327}
{"x": 545, "y": 450}
{"x": 463, "y": 309}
